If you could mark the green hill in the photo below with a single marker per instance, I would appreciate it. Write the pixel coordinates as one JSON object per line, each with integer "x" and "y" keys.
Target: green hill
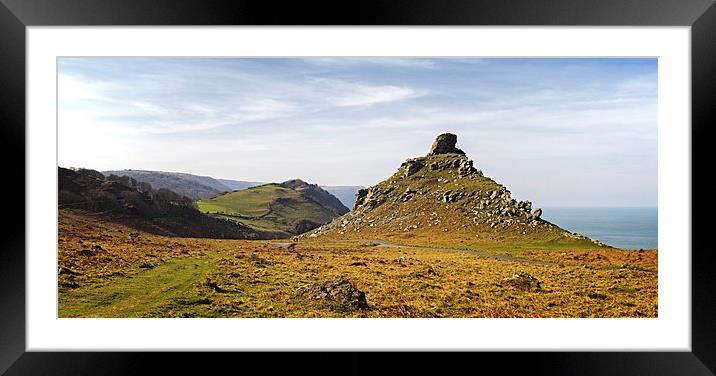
{"x": 285, "y": 209}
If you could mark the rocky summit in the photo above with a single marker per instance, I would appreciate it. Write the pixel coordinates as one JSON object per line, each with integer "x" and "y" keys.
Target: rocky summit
{"x": 445, "y": 144}
{"x": 441, "y": 198}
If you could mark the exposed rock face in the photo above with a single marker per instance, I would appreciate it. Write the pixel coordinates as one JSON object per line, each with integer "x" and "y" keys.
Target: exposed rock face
{"x": 445, "y": 144}
{"x": 302, "y": 225}
{"x": 137, "y": 205}
{"x": 341, "y": 292}
{"x": 317, "y": 194}
{"x": 411, "y": 166}
{"x": 296, "y": 184}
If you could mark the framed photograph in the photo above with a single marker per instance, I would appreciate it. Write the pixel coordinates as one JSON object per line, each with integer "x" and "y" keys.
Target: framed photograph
{"x": 509, "y": 181}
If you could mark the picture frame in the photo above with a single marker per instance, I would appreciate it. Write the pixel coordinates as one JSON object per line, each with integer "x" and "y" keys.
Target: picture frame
{"x": 17, "y": 15}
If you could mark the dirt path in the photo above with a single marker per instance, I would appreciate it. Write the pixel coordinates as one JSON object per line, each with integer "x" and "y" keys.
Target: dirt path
{"x": 141, "y": 295}
{"x": 384, "y": 244}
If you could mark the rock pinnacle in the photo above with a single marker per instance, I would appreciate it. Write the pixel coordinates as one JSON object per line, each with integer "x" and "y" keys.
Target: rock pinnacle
{"x": 445, "y": 144}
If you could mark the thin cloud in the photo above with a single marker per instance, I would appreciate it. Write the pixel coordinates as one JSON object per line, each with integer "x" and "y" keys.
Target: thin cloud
{"x": 533, "y": 124}
{"x": 376, "y": 61}
{"x": 363, "y": 95}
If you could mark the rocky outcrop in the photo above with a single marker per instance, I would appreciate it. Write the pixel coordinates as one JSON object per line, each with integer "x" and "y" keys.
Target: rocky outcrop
{"x": 462, "y": 165}
{"x": 441, "y": 193}
{"x": 296, "y": 184}
{"x": 445, "y": 144}
{"x": 316, "y": 194}
{"x": 497, "y": 209}
{"x": 537, "y": 213}
{"x": 411, "y": 166}
{"x": 302, "y": 225}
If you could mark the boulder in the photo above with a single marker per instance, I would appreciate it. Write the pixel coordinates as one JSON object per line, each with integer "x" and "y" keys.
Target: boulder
{"x": 537, "y": 213}
{"x": 466, "y": 168}
{"x": 360, "y": 197}
{"x": 450, "y": 196}
{"x": 523, "y": 281}
{"x": 407, "y": 195}
{"x": 445, "y": 144}
{"x": 411, "y": 166}
{"x": 341, "y": 292}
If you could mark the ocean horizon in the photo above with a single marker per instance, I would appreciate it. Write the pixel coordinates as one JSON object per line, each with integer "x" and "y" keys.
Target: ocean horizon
{"x": 621, "y": 227}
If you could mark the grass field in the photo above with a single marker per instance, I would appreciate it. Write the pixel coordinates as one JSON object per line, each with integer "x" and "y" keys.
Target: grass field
{"x": 108, "y": 270}
{"x": 268, "y": 207}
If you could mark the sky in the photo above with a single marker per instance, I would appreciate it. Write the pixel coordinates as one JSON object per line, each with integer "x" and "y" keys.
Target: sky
{"x": 558, "y": 132}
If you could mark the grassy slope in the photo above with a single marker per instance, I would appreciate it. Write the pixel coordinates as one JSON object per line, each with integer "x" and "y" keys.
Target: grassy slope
{"x": 448, "y": 224}
{"x": 257, "y": 207}
{"x": 147, "y": 293}
{"x": 258, "y": 279}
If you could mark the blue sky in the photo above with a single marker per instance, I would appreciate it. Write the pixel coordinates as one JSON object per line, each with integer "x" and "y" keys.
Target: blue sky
{"x": 559, "y": 132}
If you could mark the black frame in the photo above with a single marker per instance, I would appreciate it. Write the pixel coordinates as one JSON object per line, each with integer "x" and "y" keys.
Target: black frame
{"x": 16, "y": 15}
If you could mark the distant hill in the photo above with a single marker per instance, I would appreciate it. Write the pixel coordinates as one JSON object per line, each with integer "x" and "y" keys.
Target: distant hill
{"x": 138, "y": 205}
{"x": 198, "y": 187}
{"x": 441, "y": 198}
{"x": 192, "y": 186}
{"x": 285, "y": 209}
{"x": 345, "y": 193}
{"x": 236, "y": 185}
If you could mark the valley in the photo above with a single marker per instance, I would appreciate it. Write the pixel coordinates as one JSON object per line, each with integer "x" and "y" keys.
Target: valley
{"x": 134, "y": 274}
{"x": 437, "y": 238}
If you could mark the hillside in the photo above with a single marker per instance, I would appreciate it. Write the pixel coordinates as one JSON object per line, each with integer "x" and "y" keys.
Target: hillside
{"x": 192, "y": 186}
{"x": 284, "y": 209}
{"x": 442, "y": 199}
{"x": 345, "y": 193}
{"x": 138, "y": 205}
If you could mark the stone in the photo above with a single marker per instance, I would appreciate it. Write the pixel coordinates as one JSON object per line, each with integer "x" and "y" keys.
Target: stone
{"x": 369, "y": 198}
{"x": 465, "y": 168}
{"x": 360, "y": 197}
{"x": 86, "y": 252}
{"x": 407, "y": 195}
{"x": 450, "y": 196}
{"x": 523, "y": 281}
{"x": 70, "y": 284}
{"x": 213, "y": 284}
{"x": 537, "y": 213}
{"x": 445, "y": 144}
{"x": 341, "y": 292}
{"x": 62, "y": 270}
{"x": 411, "y": 166}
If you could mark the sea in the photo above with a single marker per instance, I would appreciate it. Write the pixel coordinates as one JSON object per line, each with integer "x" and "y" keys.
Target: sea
{"x": 628, "y": 228}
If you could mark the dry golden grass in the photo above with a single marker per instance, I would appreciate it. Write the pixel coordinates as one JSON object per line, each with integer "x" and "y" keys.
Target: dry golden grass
{"x": 134, "y": 274}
